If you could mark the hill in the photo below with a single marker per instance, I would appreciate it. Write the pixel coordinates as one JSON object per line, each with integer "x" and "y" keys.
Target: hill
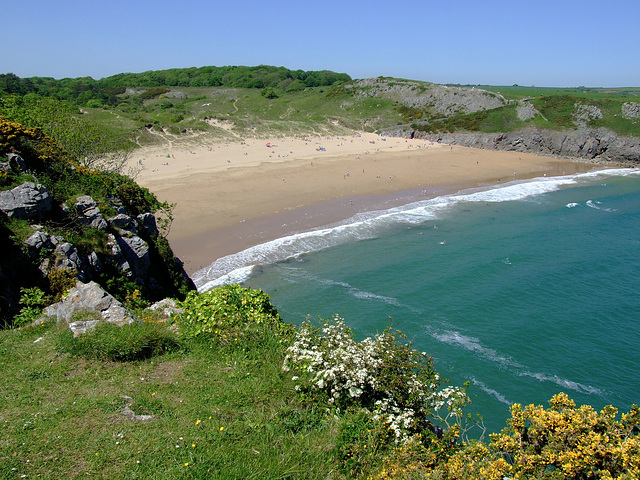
{"x": 232, "y": 103}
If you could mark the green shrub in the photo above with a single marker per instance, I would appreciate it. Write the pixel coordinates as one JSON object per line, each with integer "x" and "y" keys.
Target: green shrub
{"x": 226, "y": 309}
{"x": 557, "y": 109}
{"x": 361, "y": 442}
{"x": 33, "y": 300}
{"x": 60, "y": 281}
{"x": 153, "y": 92}
{"x": 111, "y": 342}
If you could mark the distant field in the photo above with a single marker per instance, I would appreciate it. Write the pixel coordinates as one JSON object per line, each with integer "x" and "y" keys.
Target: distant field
{"x": 516, "y": 92}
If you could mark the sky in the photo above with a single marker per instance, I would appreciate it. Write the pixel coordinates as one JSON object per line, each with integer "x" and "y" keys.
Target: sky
{"x": 561, "y": 43}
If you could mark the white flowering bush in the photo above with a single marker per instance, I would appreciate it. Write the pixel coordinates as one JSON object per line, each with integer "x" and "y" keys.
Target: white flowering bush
{"x": 392, "y": 381}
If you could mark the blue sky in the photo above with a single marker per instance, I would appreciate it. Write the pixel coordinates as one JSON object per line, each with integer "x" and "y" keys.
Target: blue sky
{"x": 499, "y": 42}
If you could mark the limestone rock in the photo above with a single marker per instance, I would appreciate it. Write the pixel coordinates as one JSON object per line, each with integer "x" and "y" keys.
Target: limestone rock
{"x": 93, "y": 298}
{"x": 442, "y": 99}
{"x": 136, "y": 252}
{"x": 117, "y": 257}
{"x": 94, "y": 262}
{"x": 14, "y": 164}
{"x": 585, "y": 113}
{"x": 526, "y": 111}
{"x": 148, "y": 223}
{"x": 124, "y": 224}
{"x": 631, "y": 110}
{"x": 90, "y": 213}
{"x": 166, "y": 307}
{"x": 39, "y": 240}
{"x": 26, "y": 201}
{"x": 584, "y": 143}
{"x": 69, "y": 258}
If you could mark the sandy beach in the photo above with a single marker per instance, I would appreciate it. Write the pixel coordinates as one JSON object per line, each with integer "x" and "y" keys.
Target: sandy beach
{"x": 231, "y": 196}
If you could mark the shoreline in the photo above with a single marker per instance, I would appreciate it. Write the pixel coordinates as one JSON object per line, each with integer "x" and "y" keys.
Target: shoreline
{"x": 230, "y": 197}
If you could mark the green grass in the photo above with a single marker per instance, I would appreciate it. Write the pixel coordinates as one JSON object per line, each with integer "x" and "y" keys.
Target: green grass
{"x": 516, "y": 92}
{"x": 318, "y": 109}
{"x": 336, "y": 111}
{"x": 495, "y": 120}
{"x": 221, "y": 409}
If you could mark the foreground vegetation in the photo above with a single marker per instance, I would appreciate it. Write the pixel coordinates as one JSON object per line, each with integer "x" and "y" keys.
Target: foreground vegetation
{"x": 222, "y": 401}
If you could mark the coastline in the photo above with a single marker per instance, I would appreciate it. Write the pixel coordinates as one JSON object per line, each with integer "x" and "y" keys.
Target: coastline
{"x": 233, "y": 196}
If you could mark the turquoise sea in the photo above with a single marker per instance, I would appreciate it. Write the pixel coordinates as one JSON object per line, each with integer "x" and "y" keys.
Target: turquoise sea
{"x": 524, "y": 289}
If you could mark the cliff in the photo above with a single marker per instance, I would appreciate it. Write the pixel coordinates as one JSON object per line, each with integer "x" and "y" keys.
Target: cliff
{"x": 60, "y": 223}
{"x": 587, "y": 144}
{"x": 600, "y": 145}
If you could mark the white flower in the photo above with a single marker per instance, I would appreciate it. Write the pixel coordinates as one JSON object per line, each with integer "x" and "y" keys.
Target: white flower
{"x": 355, "y": 392}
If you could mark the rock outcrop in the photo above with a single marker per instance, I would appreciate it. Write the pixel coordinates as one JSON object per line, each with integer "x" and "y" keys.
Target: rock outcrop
{"x": 70, "y": 237}
{"x": 89, "y": 213}
{"x": 631, "y": 110}
{"x": 26, "y": 201}
{"x": 89, "y": 297}
{"x": 439, "y": 99}
{"x": 586, "y": 144}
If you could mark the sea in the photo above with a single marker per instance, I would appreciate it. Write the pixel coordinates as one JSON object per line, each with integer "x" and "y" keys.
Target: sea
{"x": 522, "y": 289}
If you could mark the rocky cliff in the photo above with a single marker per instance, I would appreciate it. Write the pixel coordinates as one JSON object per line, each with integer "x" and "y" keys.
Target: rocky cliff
{"x": 584, "y": 143}
{"x": 597, "y": 145}
{"x": 438, "y": 100}
{"x": 61, "y": 223}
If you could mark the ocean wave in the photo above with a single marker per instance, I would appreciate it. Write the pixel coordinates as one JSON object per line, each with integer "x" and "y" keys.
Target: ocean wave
{"x": 572, "y": 205}
{"x": 598, "y": 206}
{"x": 370, "y": 224}
{"x": 473, "y": 344}
{"x": 238, "y": 275}
{"x": 353, "y": 291}
{"x": 490, "y": 391}
{"x": 564, "y": 383}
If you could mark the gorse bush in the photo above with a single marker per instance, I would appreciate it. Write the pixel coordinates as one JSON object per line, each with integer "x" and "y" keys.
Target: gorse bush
{"x": 120, "y": 343}
{"x": 560, "y": 442}
{"x": 392, "y": 381}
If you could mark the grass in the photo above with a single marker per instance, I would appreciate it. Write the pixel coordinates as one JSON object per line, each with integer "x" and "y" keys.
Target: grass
{"x": 334, "y": 111}
{"x": 221, "y": 409}
{"x": 517, "y": 92}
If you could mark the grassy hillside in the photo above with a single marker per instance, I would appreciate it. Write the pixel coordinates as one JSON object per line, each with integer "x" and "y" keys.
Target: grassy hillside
{"x": 231, "y": 103}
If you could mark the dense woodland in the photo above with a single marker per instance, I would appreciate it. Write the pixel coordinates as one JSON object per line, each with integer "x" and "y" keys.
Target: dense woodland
{"x": 83, "y": 90}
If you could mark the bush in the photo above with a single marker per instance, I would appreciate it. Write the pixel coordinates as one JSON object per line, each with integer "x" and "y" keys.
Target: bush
{"x": 60, "y": 282}
{"x": 561, "y": 442}
{"x": 230, "y": 308}
{"x": 394, "y": 382}
{"x": 125, "y": 343}
{"x": 33, "y": 300}
{"x": 361, "y": 442}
